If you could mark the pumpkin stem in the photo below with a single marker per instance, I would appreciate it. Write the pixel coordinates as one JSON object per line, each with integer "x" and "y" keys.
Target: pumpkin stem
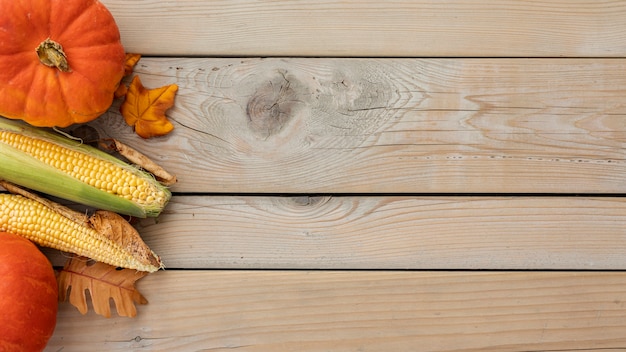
{"x": 51, "y": 54}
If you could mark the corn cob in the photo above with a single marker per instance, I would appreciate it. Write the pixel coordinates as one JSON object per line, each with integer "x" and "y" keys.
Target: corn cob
{"x": 61, "y": 167}
{"x": 50, "y": 228}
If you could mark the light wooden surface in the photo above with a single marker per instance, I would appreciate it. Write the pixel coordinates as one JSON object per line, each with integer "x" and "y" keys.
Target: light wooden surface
{"x": 453, "y": 179}
{"x": 369, "y": 232}
{"x": 282, "y": 125}
{"x": 362, "y": 311}
{"x": 372, "y": 28}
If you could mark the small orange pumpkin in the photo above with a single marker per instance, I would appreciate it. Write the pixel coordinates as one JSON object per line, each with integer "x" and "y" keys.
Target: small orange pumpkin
{"x": 60, "y": 61}
{"x": 28, "y": 295}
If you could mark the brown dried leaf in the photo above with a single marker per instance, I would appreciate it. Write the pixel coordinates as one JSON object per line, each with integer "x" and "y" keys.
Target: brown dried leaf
{"x": 144, "y": 109}
{"x": 104, "y": 282}
{"x": 114, "y": 227}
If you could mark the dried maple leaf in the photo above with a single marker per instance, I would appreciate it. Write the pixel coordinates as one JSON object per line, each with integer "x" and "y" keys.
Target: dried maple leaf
{"x": 104, "y": 282}
{"x": 121, "y": 91}
{"x": 144, "y": 109}
{"x": 130, "y": 62}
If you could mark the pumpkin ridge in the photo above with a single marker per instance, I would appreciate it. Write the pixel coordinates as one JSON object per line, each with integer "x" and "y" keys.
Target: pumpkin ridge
{"x": 89, "y": 46}
{"x": 90, "y": 114}
{"x": 67, "y": 26}
{"x": 37, "y": 76}
{"x": 100, "y": 61}
{"x": 33, "y": 29}
{"x": 86, "y": 25}
{"x": 34, "y": 77}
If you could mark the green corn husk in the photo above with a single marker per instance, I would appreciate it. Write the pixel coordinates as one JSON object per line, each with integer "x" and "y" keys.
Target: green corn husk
{"x": 21, "y": 168}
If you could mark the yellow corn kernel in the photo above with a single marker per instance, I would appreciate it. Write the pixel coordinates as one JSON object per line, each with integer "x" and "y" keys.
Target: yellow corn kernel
{"x": 99, "y": 172}
{"x": 46, "y": 227}
{"x": 58, "y": 166}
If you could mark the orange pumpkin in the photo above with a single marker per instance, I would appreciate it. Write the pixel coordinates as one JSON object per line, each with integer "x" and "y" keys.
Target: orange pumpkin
{"x": 60, "y": 61}
{"x": 28, "y": 295}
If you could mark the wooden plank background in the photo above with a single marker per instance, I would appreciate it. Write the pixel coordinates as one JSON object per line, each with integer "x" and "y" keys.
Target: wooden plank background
{"x": 379, "y": 176}
{"x": 281, "y": 125}
{"x": 371, "y": 28}
{"x": 363, "y": 311}
{"x": 396, "y": 233}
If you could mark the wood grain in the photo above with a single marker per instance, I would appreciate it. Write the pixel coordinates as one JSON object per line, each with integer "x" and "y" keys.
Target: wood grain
{"x": 367, "y": 186}
{"x": 361, "y": 311}
{"x": 553, "y": 28}
{"x": 302, "y": 232}
{"x": 392, "y": 125}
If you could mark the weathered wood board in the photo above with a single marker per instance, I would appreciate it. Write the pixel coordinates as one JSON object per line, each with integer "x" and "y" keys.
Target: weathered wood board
{"x": 372, "y": 28}
{"x": 281, "y": 125}
{"x": 370, "y": 232}
{"x": 362, "y": 311}
{"x": 379, "y": 176}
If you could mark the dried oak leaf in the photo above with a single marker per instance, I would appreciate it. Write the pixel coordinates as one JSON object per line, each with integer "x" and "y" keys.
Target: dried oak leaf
{"x": 144, "y": 109}
{"x": 104, "y": 282}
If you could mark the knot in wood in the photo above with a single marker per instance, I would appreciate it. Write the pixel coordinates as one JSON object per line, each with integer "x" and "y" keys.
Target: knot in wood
{"x": 306, "y": 201}
{"x": 272, "y": 105}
